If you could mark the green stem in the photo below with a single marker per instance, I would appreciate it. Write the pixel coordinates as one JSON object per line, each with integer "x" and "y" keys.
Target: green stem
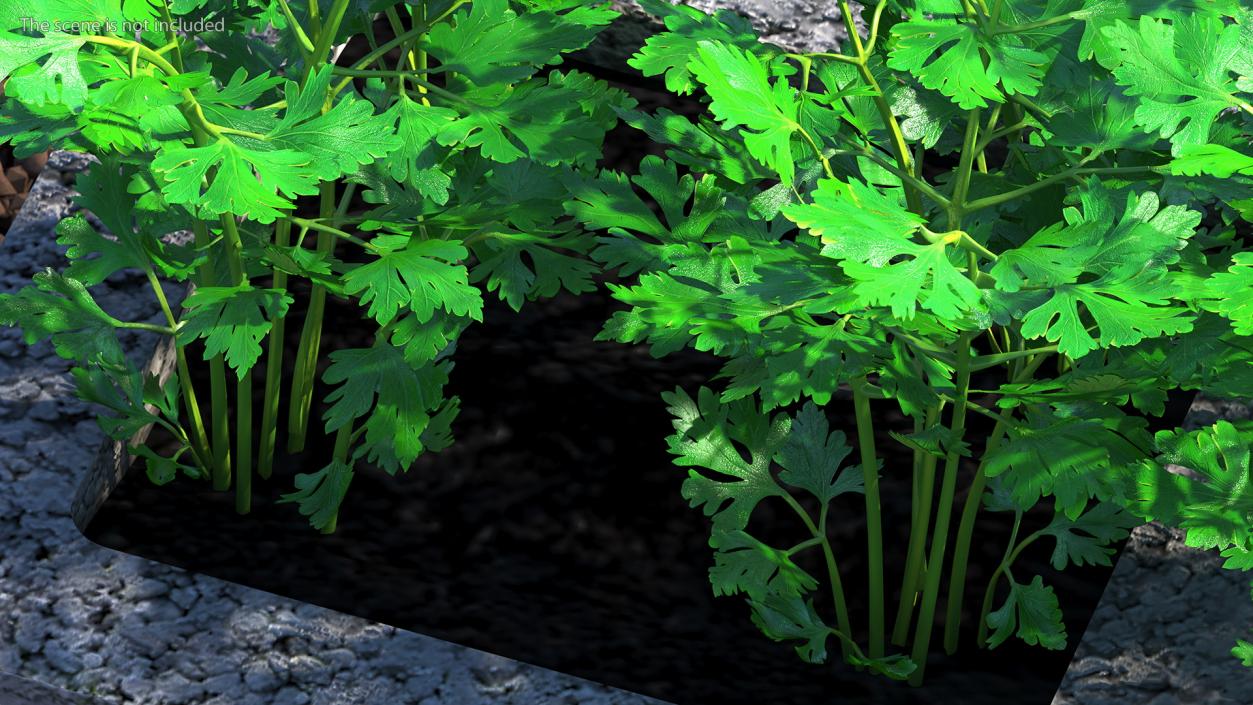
{"x": 899, "y": 148}
{"x": 243, "y": 461}
{"x": 939, "y": 540}
{"x": 819, "y": 532}
{"x": 961, "y": 551}
{"x": 989, "y": 201}
{"x": 986, "y": 361}
{"x": 874, "y": 522}
{"x": 220, "y": 425}
{"x": 914, "y": 559}
{"x": 310, "y": 340}
{"x": 200, "y": 438}
{"x": 326, "y": 32}
{"x": 381, "y": 51}
{"x": 273, "y": 366}
{"x": 243, "y": 388}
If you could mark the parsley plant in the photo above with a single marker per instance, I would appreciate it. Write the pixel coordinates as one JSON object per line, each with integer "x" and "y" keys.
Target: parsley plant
{"x": 451, "y": 131}
{"x": 1050, "y": 195}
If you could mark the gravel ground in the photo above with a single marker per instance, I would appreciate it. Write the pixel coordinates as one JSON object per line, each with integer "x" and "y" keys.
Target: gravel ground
{"x": 1163, "y": 632}
{"x": 20, "y": 691}
{"x": 128, "y": 630}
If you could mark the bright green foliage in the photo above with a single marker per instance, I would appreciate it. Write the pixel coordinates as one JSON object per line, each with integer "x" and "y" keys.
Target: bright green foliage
{"x": 418, "y": 276}
{"x": 742, "y": 95}
{"x": 1032, "y": 614}
{"x": 1033, "y": 213}
{"x": 1217, "y": 508}
{"x": 1181, "y": 71}
{"x": 61, "y": 309}
{"x": 959, "y": 70}
{"x": 671, "y": 52}
{"x": 410, "y": 189}
{"x": 232, "y": 320}
{"x": 1230, "y": 290}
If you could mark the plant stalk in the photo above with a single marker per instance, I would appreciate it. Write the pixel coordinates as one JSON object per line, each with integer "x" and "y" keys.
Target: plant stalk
{"x": 874, "y": 522}
{"x": 273, "y": 366}
{"x": 310, "y": 340}
{"x": 961, "y": 550}
{"x": 939, "y": 540}
{"x": 914, "y": 560}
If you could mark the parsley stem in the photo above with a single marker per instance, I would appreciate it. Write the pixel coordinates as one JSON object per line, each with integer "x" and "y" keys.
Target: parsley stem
{"x": 163, "y": 330}
{"x": 319, "y": 227}
{"x": 200, "y": 438}
{"x": 310, "y": 336}
{"x": 819, "y": 532}
{"x": 874, "y": 522}
{"x": 381, "y": 51}
{"x": 899, "y": 148}
{"x": 306, "y": 45}
{"x": 273, "y": 364}
{"x": 961, "y": 550}
{"x": 939, "y": 539}
{"x": 990, "y": 201}
{"x": 924, "y": 482}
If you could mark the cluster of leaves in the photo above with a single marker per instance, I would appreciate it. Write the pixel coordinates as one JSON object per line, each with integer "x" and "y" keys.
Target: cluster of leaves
{"x": 456, "y": 134}
{"x": 969, "y": 191}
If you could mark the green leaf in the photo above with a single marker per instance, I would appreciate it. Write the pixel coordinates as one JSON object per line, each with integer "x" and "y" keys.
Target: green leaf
{"x": 1212, "y": 159}
{"x": 1230, "y": 293}
{"x": 706, "y": 436}
{"x": 1216, "y": 509}
{"x": 949, "y": 57}
{"x": 742, "y": 564}
{"x": 1180, "y": 72}
{"x": 742, "y": 95}
{"x": 416, "y": 160}
{"x": 1067, "y": 457}
{"x": 671, "y": 52}
{"x": 1032, "y": 612}
{"x": 398, "y": 398}
{"x": 1243, "y": 650}
{"x": 491, "y": 43}
{"x": 345, "y": 137}
{"x": 543, "y": 121}
{"x": 793, "y": 618}
{"x": 319, "y": 495}
{"x": 247, "y": 182}
{"x": 422, "y": 276}
{"x": 637, "y": 238}
{"x": 58, "y": 80}
{"x": 856, "y": 220}
{"x": 702, "y": 146}
{"x": 866, "y": 229}
{"x": 525, "y": 267}
{"x": 1083, "y": 540}
{"x": 1128, "y": 297}
{"x": 119, "y": 390}
{"x": 232, "y": 320}
{"x": 60, "y": 308}
{"x": 811, "y": 458}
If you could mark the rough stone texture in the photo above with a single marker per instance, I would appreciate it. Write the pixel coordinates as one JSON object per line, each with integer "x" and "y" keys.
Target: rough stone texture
{"x": 128, "y": 630}
{"x": 1164, "y": 629}
{"x": 20, "y": 691}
